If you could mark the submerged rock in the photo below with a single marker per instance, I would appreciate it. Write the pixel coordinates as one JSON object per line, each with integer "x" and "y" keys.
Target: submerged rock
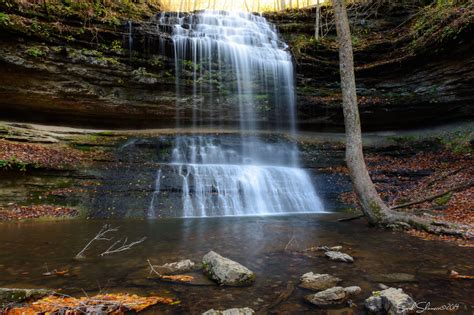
{"x": 394, "y": 277}
{"x": 177, "y": 267}
{"x": 391, "y": 301}
{"x": 231, "y": 311}
{"x": 317, "y": 282}
{"x": 8, "y": 295}
{"x": 338, "y": 256}
{"x": 225, "y": 271}
{"x": 332, "y": 296}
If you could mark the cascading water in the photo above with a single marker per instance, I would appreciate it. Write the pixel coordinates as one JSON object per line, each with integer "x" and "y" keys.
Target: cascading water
{"x": 236, "y": 54}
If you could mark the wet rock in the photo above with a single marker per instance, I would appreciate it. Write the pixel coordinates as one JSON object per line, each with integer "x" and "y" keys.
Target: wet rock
{"x": 8, "y": 295}
{"x": 318, "y": 282}
{"x": 225, "y": 271}
{"x": 391, "y": 301}
{"x": 198, "y": 279}
{"x": 338, "y": 256}
{"x": 353, "y": 290}
{"x": 231, "y": 311}
{"x": 332, "y": 296}
{"x": 383, "y": 286}
{"x": 394, "y": 277}
{"x": 177, "y": 267}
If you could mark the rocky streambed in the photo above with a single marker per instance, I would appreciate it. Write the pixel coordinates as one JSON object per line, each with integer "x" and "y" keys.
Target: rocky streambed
{"x": 279, "y": 253}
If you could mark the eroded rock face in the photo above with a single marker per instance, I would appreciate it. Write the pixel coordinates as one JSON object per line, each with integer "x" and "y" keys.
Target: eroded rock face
{"x": 317, "y": 282}
{"x": 226, "y": 271}
{"x": 80, "y": 85}
{"x": 338, "y": 256}
{"x": 231, "y": 311}
{"x": 8, "y": 295}
{"x": 332, "y": 296}
{"x": 391, "y": 301}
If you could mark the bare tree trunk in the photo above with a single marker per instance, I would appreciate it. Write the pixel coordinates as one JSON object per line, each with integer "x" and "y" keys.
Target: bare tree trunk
{"x": 372, "y": 205}
{"x": 316, "y": 27}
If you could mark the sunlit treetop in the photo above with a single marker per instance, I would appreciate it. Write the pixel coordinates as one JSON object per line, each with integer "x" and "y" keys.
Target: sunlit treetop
{"x": 236, "y": 5}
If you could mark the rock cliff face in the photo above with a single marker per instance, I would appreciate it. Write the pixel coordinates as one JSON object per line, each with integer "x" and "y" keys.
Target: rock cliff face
{"x": 96, "y": 74}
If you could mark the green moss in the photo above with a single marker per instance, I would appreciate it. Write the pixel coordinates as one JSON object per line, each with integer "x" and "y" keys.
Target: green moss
{"x": 5, "y": 19}
{"x": 459, "y": 142}
{"x": 440, "y": 21}
{"x": 403, "y": 140}
{"x": 109, "y": 60}
{"x": 156, "y": 61}
{"x": 376, "y": 210}
{"x": 441, "y": 201}
{"x": 13, "y": 164}
{"x": 36, "y": 52}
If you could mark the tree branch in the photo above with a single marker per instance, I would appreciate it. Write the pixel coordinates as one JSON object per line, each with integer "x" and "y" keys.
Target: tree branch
{"x": 106, "y": 228}
{"x": 435, "y": 196}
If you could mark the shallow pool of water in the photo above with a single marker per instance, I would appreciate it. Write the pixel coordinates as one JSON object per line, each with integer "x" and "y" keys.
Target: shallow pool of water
{"x": 270, "y": 246}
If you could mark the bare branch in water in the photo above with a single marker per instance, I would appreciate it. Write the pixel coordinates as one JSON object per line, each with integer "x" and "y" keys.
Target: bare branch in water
{"x": 113, "y": 249}
{"x": 101, "y": 236}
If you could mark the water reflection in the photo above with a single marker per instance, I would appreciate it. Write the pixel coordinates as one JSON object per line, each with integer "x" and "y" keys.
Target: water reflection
{"x": 270, "y": 246}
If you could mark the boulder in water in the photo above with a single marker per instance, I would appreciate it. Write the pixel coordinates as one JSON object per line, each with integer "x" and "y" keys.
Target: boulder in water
{"x": 318, "y": 282}
{"x": 338, "y": 256}
{"x": 225, "y": 271}
{"x": 231, "y": 311}
{"x": 332, "y": 296}
{"x": 391, "y": 301}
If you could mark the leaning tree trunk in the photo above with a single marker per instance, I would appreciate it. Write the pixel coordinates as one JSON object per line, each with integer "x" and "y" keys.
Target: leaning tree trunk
{"x": 372, "y": 205}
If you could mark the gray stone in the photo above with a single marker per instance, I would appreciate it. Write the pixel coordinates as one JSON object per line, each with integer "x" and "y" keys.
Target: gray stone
{"x": 8, "y": 295}
{"x": 177, "y": 267}
{"x": 332, "y": 296}
{"x": 318, "y": 282}
{"x": 231, "y": 311}
{"x": 391, "y": 301}
{"x": 338, "y": 256}
{"x": 225, "y": 271}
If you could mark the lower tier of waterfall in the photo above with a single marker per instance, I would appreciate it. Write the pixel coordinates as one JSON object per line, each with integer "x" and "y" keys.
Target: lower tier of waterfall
{"x": 215, "y": 178}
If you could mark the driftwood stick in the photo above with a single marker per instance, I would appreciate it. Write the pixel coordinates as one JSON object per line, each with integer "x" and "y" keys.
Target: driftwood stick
{"x": 351, "y": 218}
{"x": 431, "y": 197}
{"x": 289, "y": 242}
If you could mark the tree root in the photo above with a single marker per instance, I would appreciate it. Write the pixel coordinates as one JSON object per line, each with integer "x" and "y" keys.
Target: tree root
{"x": 396, "y": 220}
{"x": 351, "y": 218}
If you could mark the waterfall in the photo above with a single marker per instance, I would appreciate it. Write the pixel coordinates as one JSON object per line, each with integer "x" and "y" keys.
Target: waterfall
{"x": 237, "y": 57}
